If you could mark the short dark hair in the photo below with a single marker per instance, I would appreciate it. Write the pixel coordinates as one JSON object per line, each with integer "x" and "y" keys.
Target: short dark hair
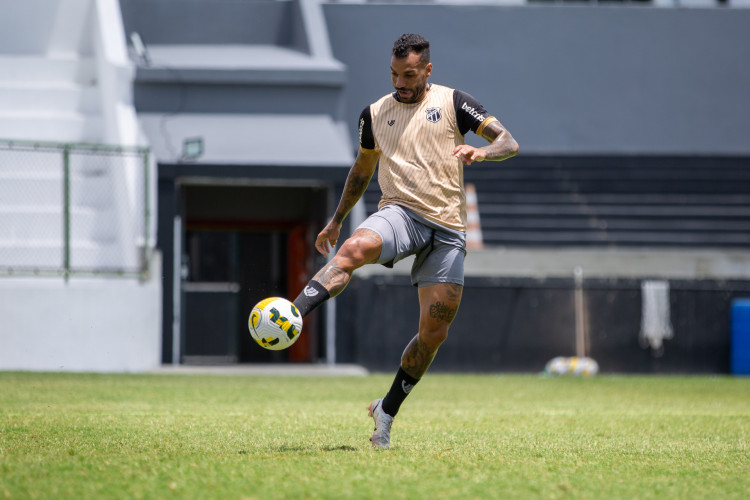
{"x": 411, "y": 42}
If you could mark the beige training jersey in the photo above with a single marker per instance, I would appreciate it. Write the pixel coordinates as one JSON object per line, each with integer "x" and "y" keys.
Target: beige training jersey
{"x": 417, "y": 169}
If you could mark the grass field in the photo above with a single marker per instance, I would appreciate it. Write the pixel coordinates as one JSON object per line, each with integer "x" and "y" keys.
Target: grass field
{"x": 457, "y": 436}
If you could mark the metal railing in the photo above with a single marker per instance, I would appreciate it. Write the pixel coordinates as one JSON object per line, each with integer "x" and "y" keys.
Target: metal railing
{"x": 74, "y": 209}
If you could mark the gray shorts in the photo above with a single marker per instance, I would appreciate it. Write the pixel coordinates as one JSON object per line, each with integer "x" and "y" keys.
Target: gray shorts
{"x": 439, "y": 252}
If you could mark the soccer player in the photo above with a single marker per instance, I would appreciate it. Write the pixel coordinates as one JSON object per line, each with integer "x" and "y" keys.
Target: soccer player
{"x": 417, "y": 135}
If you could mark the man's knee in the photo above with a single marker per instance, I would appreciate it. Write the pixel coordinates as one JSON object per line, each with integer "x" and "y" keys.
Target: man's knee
{"x": 361, "y": 248}
{"x": 433, "y": 337}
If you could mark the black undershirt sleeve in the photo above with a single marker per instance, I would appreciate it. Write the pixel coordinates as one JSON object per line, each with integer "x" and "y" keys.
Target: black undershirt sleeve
{"x": 366, "y": 138}
{"x": 470, "y": 114}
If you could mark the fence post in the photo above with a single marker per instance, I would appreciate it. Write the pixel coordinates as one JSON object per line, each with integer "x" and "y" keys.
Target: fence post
{"x": 66, "y": 211}
{"x": 146, "y": 213}
{"x": 39, "y": 264}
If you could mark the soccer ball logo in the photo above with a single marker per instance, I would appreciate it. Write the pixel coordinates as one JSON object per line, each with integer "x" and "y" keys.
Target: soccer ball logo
{"x": 275, "y": 323}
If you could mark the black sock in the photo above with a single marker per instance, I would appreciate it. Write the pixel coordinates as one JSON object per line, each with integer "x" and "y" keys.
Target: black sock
{"x": 311, "y": 297}
{"x": 402, "y": 386}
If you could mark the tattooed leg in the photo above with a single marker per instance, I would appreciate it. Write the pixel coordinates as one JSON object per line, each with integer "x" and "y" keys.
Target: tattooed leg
{"x": 417, "y": 358}
{"x": 333, "y": 277}
{"x": 438, "y": 306}
{"x": 363, "y": 247}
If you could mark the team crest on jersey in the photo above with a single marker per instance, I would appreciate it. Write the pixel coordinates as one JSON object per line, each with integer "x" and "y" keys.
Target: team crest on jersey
{"x": 433, "y": 115}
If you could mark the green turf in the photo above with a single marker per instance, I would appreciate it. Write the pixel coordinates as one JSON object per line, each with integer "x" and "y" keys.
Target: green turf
{"x": 515, "y": 437}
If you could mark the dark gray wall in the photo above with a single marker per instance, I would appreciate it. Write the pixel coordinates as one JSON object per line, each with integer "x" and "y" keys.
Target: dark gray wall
{"x": 571, "y": 79}
{"x": 519, "y": 324}
{"x": 215, "y": 22}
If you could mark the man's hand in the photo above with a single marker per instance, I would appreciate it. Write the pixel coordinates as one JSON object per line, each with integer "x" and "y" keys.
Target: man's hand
{"x": 468, "y": 154}
{"x": 327, "y": 238}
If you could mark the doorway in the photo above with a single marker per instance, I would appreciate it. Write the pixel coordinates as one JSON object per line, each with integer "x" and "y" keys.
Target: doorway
{"x": 241, "y": 244}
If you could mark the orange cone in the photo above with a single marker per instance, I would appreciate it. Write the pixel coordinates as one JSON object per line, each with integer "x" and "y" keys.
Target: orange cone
{"x": 474, "y": 227}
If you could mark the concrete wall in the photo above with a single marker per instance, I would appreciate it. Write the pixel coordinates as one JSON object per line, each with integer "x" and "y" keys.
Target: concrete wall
{"x": 571, "y": 79}
{"x": 100, "y": 325}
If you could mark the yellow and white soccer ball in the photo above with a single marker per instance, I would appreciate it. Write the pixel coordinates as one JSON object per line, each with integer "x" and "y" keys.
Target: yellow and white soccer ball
{"x": 584, "y": 366}
{"x": 275, "y": 323}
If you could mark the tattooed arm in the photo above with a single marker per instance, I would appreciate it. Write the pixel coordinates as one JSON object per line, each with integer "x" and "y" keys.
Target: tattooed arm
{"x": 501, "y": 147}
{"x": 356, "y": 184}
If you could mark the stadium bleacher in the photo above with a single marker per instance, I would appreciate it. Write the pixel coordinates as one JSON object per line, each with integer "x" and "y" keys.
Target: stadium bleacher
{"x": 611, "y": 201}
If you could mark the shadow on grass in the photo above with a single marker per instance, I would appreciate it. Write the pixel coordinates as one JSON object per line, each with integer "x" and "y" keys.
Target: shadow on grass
{"x": 312, "y": 447}
{"x": 343, "y": 447}
{"x": 304, "y": 448}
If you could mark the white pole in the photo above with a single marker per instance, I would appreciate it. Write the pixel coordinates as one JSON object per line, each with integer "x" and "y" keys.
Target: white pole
{"x": 578, "y": 296}
{"x": 357, "y": 215}
{"x": 331, "y": 332}
{"x": 176, "y": 290}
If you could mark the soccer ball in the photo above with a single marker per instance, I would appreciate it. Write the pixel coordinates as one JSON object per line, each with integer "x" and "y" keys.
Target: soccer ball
{"x": 575, "y": 366}
{"x": 275, "y": 323}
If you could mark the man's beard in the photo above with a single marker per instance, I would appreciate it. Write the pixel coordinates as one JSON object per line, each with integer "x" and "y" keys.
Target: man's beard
{"x": 415, "y": 95}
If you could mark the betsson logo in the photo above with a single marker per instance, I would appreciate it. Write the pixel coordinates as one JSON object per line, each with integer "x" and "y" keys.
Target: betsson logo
{"x": 473, "y": 112}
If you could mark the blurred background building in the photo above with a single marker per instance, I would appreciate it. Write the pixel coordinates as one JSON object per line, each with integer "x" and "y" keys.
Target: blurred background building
{"x": 167, "y": 163}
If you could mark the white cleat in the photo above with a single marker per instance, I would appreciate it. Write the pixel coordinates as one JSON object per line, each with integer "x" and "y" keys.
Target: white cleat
{"x": 381, "y": 438}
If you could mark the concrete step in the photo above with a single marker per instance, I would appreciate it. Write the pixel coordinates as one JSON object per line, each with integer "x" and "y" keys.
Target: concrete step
{"x": 45, "y": 126}
{"x": 34, "y": 159}
{"x": 227, "y": 78}
{"x": 31, "y": 189}
{"x": 43, "y": 69}
{"x": 56, "y": 97}
{"x": 46, "y": 254}
{"x": 22, "y": 224}
{"x": 613, "y": 225}
{"x": 615, "y": 211}
{"x": 570, "y": 198}
{"x": 31, "y": 161}
{"x": 49, "y": 98}
{"x": 535, "y": 237}
{"x": 239, "y": 64}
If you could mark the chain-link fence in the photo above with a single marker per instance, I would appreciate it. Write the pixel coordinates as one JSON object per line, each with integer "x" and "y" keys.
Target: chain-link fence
{"x": 74, "y": 209}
